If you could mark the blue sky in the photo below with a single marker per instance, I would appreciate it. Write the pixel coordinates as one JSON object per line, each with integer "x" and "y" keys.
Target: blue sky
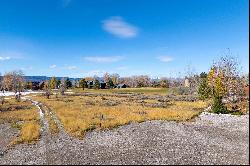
{"x": 78, "y": 38}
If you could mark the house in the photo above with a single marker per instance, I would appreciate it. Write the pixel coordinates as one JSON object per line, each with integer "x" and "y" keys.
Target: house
{"x": 41, "y": 85}
{"x": 121, "y": 86}
{"x": 102, "y": 85}
{"x": 35, "y": 85}
{"x": 90, "y": 84}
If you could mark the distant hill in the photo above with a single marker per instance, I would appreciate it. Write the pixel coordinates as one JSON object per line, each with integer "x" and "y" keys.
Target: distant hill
{"x": 44, "y": 78}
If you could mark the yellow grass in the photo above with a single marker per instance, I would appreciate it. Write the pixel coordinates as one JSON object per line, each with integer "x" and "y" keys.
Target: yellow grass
{"x": 78, "y": 116}
{"x": 146, "y": 90}
{"x": 14, "y": 114}
{"x": 29, "y": 132}
{"x": 24, "y": 116}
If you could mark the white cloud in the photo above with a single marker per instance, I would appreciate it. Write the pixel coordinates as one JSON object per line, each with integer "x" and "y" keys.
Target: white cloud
{"x": 118, "y": 27}
{"x": 52, "y": 66}
{"x": 4, "y": 58}
{"x": 103, "y": 59}
{"x": 165, "y": 58}
{"x": 71, "y": 67}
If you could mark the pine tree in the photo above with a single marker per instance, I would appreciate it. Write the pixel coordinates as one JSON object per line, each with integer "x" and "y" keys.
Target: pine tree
{"x": 68, "y": 83}
{"x": 97, "y": 84}
{"x": 83, "y": 83}
{"x": 204, "y": 90}
{"x": 110, "y": 83}
{"x": 218, "y": 106}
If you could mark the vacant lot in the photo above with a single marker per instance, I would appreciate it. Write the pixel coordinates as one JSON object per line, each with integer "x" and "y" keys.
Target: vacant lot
{"x": 87, "y": 111}
{"x": 165, "y": 133}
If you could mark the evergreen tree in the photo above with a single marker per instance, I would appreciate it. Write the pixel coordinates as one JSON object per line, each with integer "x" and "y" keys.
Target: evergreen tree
{"x": 83, "y": 83}
{"x": 203, "y": 75}
{"x": 204, "y": 90}
{"x": 110, "y": 83}
{"x": 218, "y": 106}
{"x": 68, "y": 83}
{"x": 97, "y": 84}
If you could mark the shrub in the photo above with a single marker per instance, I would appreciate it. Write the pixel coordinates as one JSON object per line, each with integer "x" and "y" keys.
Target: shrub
{"x": 218, "y": 106}
{"x": 179, "y": 90}
{"x": 204, "y": 90}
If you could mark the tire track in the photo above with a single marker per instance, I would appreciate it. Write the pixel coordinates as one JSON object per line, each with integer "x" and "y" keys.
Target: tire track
{"x": 45, "y": 135}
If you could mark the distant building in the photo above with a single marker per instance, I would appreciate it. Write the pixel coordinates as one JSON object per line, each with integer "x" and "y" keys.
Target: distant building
{"x": 186, "y": 83}
{"x": 121, "y": 86}
{"x": 41, "y": 85}
{"x": 102, "y": 85}
{"x": 90, "y": 84}
{"x": 35, "y": 85}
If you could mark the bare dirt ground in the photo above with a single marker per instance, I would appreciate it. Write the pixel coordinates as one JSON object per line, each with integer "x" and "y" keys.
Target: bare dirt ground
{"x": 209, "y": 139}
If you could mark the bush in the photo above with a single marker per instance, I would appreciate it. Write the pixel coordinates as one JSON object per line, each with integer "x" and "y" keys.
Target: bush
{"x": 179, "y": 91}
{"x": 218, "y": 106}
{"x": 204, "y": 90}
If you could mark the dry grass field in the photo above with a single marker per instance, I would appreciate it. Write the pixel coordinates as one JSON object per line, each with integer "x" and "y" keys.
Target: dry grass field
{"x": 145, "y": 90}
{"x": 22, "y": 115}
{"x": 81, "y": 113}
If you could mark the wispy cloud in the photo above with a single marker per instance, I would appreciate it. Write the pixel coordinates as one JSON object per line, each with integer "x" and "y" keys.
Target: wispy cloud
{"x": 120, "y": 28}
{"x": 165, "y": 58}
{"x": 11, "y": 55}
{"x": 52, "y": 66}
{"x": 95, "y": 72}
{"x": 71, "y": 67}
{"x": 4, "y": 58}
{"x": 103, "y": 59}
{"x": 27, "y": 68}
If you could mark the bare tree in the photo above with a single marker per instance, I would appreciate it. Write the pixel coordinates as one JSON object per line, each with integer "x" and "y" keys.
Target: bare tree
{"x": 193, "y": 79}
{"x": 229, "y": 69}
{"x": 115, "y": 78}
{"x": 7, "y": 81}
{"x": 63, "y": 86}
{"x": 1, "y": 83}
{"x": 142, "y": 81}
{"x": 1, "y": 89}
{"x": 106, "y": 77}
{"x": 14, "y": 81}
{"x": 47, "y": 89}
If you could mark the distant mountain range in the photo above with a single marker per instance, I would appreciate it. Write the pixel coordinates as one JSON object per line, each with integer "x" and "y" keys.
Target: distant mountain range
{"x": 44, "y": 78}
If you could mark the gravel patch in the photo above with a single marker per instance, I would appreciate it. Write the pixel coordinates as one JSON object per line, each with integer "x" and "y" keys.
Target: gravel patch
{"x": 210, "y": 139}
